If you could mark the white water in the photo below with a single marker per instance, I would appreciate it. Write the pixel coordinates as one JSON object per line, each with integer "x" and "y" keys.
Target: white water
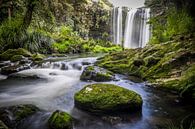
{"x": 136, "y": 29}
{"x": 53, "y": 83}
{"x": 117, "y": 25}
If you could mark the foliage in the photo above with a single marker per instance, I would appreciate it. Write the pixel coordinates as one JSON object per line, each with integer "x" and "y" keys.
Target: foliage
{"x": 173, "y": 23}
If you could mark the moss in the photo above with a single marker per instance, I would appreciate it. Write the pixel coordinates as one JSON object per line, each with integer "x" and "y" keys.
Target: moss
{"x": 164, "y": 64}
{"x": 107, "y": 98}
{"x": 24, "y": 111}
{"x": 18, "y": 114}
{"x": 17, "y": 58}
{"x": 60, "y": 120}
{"x": 7, "y": 55}
{"x": 187, "y": 83}
{"x": 96, "y": 74}
{"x": 38, "y": 57}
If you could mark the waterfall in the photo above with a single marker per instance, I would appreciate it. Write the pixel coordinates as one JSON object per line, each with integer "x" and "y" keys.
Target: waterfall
{"x": 136, "y": 29}
{"x": 117, "y": 25}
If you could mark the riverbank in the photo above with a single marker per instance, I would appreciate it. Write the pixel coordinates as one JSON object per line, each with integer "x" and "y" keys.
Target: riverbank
{"x": 50, "y": 87}
{"x": 169, "y": 65}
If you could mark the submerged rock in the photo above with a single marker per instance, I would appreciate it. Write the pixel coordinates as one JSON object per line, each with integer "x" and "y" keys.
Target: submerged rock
{"x": 60, "y": 120}
{"x": 107, "y": 98}
{"x": 12, "y": 116}
{"x": 96, "y": 74}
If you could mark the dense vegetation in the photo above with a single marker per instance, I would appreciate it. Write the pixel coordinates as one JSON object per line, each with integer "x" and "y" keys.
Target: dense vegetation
{"x": 171, "y": 18}
{"x": 168, "y": 61}
{"x": 49, "y": 26}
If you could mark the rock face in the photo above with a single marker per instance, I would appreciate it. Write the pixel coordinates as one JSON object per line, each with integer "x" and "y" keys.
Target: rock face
{"x": 106, "y": 99}
{"x": 96, "y": 74}
{"x": 12, "y": 116}
{"x": 60, "y": 120}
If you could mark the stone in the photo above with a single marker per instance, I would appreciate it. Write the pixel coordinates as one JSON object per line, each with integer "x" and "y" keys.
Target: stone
{"x": 13, "y": 69}
{"x": 106, "y": 99}
{"x": 60, "y": 120}
{"x": 13, "y": 115}
{"x": 96, "y": 74}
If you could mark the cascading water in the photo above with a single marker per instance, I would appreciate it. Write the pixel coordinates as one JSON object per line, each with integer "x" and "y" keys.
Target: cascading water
{"x": 137, "y": 31}
{"x": 117, "y": 25}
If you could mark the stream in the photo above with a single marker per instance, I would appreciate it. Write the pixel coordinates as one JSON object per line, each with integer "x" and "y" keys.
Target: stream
{"x": 52, "y": 85}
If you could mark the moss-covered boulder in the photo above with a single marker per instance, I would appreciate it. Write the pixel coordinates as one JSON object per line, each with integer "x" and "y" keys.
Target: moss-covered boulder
{"x": 2, "y": 125}
{"x": 12, "y": 116}
{"x": 38, "y": 57}
{"x": 7, "y": 55}
{"x": 96, "y": 74}
{"x": 60, "y": 120}
{"x": 17, "y": 58}
{"x": 107, "y": 98}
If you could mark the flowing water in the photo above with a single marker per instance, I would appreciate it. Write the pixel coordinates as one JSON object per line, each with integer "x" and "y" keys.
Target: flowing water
{"x": 135, "y": 32}
{"x": 52, "y": 85}
{"x": 117, "y": 25}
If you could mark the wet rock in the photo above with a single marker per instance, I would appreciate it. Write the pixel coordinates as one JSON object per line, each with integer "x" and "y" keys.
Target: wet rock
{"x": 96, "y": 74}
{"x": 64, "y": 66}
{"x": 4, "y": 63}
{"x": 13, "y": 69}
{"x": 112, "y": 119}
{"x": 60, "y": 120}
{"x": 107, "y": 98}
{"x": 12, "y": 116}
{"x": 77, "y": 66}
{"x": 86, "y": 63}
{"x": 7, "y": 55}
{"x": 23, "y": 76}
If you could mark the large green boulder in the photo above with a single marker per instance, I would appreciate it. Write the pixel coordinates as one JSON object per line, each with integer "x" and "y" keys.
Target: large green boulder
{"x": 107, "y": 98}
{"x": 60, "y": 120}
{"x": 13, "y": 115}
{"x": 7, "y": 55}
{"x": 96, "y": 74}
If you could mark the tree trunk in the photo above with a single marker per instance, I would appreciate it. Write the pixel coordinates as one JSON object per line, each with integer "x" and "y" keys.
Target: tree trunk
{"x": 28, "y": 15}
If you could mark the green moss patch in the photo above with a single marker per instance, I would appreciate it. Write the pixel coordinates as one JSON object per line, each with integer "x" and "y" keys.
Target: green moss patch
{"x": 7, "y": 55}
{"x": 96, "y": 74}
{"x": 60, "y": 120}
{"x": 107, "y": 98}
